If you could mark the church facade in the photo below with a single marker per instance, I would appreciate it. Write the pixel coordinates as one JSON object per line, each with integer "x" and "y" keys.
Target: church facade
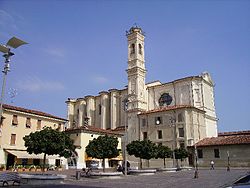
{"x": 177, "y": 113}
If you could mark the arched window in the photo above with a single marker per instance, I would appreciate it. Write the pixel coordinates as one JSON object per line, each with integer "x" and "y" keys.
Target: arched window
{"x": 140, "y": 49}
{"x": 132, "y": 48}
{"x": 165, "y": 99}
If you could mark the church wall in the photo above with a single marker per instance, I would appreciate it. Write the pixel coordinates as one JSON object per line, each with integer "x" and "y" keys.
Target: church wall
{"x": 96, "y": 112}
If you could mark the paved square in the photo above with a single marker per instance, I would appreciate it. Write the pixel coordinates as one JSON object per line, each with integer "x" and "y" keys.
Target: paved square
{"x": 207, "y": 179}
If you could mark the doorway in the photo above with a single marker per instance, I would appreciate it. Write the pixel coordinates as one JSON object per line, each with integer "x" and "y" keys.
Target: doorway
{"x": 10, "y": 160}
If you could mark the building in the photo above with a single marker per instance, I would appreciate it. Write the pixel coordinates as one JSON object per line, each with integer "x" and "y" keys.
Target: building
{"x": 231, "y": 148}
{"x": 82, "y": 136}
{"x": 177, "y": 113}
{"x": 18, "y": 122}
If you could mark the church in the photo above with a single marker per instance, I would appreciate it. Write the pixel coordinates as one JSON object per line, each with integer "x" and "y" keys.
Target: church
{"x": 177, "y": 114}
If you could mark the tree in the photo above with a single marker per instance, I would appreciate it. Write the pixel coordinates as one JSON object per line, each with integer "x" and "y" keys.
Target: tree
{"x": 49, "y": 142}
{"x": 180, "y": 153}
{"x": 144, "y": 149}
{"x": 103, "y": 147}
{"x": 163, "y": 152}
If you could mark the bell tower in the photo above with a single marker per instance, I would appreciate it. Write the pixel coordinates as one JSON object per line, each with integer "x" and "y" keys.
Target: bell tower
{"x": 136, "y": 69}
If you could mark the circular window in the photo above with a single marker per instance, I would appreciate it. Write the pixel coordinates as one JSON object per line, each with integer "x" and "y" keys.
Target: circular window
{"x": 165, "y": 99}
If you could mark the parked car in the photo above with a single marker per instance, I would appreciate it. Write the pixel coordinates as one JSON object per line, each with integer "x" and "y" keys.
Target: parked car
{"x": 243, "y": 182}
{"x": 93, "y": 164}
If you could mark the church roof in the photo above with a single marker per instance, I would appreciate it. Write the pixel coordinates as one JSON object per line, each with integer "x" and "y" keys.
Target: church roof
{"x": 92, "y": 129}
{"x": 29, "y": 111}
{"x": 226, "y": 138}
{"x": 169, "y": 108}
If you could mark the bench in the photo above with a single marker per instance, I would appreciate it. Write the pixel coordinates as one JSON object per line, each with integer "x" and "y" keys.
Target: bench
{"x": 10, "y": 177}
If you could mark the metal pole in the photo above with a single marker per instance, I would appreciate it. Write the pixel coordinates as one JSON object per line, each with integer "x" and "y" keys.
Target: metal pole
{"x": 174, "y": 140}
{"x": 5, "y": 72}
{"x": 228, "y": 162}
{"x": 125, "y": 153}
{"x": 125, "y": 136}
{"x": 196, "y": 162}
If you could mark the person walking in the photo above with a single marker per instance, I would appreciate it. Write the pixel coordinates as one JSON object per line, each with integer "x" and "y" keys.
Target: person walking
{"x": 212, "y": 165}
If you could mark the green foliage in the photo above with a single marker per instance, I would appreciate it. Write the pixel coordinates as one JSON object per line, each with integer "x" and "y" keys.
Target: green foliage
{"x": 163, "y": 152}
{"x": 144, "y": 149}
{"x": 103, "y": 147}
{"x": 50, "y": 142}
{"x": 180, "y": 153}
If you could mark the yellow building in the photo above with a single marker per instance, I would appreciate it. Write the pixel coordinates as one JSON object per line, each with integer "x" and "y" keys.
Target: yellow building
{"x": 18, "y": 122}
{"x": 81, "y": 136}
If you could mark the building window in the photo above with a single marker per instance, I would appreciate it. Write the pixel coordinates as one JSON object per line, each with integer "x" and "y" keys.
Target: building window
{"x": 13, "y": 139}
{"x": 145, "y": 135}
{"x": 216, "y": 153}
{"x": 181, "y": 132}
{"x": 158, "y": 120}
{"x": 132, "y": 48}
{"x": 140, "y": 49}
{"x": 100, "y": 109}
{"x": 28, "y": 123}
{"x": 143, "y": 122}
{"x": 159, "y": 134}
{"x": 180, "y": 117}
{"x": 14, "y": 120}
{"x": 39, "y": 124}
{"x": 165, "y": 99}
{"x": 200, "y": 153}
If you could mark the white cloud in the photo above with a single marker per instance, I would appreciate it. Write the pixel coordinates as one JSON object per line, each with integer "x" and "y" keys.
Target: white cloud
{"x": 100, "y": 79}
{"x": 7, "y": 20}
{"x": 34, "y": 84}
{"x": 54, "y": 51}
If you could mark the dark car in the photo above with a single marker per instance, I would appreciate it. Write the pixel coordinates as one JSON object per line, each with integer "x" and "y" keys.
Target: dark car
{"x": 243, "y": 182}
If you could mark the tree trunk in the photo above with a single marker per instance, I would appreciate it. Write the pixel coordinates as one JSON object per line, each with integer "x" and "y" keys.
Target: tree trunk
{"x": 44, "y": 160}
{"x": 148, "y": 163}
{"x": 103, "y": 160}
{"x": 164, "y": 159}
{"x": 140, "y": 163}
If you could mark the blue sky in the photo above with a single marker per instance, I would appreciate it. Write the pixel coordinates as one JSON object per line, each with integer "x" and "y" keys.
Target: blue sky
{"x": 77, "y": 48}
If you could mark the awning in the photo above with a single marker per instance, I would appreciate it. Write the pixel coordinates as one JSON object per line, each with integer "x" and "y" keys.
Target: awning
{"x": 21, "y": 154}
{"x": 118, "y": 158}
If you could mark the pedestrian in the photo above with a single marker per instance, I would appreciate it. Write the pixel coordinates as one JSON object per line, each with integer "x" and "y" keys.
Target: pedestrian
{"x": 119, "y": 168}
{"x": 212, "y": 165}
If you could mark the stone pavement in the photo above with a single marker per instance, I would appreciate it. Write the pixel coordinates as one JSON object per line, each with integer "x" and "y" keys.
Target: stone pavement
{"x": 207, "y": 178}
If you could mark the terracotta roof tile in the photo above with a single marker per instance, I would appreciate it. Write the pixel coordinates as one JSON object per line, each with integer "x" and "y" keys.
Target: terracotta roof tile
{"x": 234, "y": 133}
{"x": 168, "y": 108}
{"x": 225, "y": 140}
{"x": 35, "y": 112}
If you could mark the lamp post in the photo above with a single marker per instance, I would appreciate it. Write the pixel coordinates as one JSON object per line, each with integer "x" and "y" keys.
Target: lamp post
{"x": 14, "y": 43}
{"x": 125, "y": 105}
{"x": 173, "y": 122}
{"x": 228, "y": 161}
{"x": 196, "y": 162}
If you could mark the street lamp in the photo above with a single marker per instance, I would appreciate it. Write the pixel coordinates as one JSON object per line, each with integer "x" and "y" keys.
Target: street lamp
{"x": 173, "y": 122}
{"x": 14, "y": 43}
{"x": 228, "y": 162}
{"x": 125, "y": 105}
{"x": 196, "y": 162}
